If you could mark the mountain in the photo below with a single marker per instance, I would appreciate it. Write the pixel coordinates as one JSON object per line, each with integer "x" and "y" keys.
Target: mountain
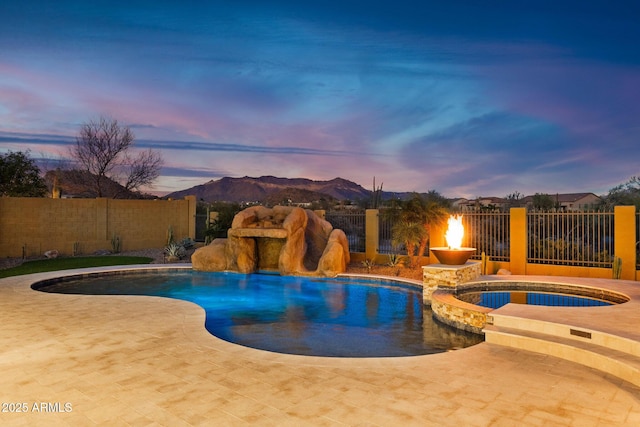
{"x": 81, "y": 184}
{"x": 273, "y": 189}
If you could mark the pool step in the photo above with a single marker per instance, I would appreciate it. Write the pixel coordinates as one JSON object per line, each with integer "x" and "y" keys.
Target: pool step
{"x": 600, "y": 338}
{"x": 614, "y": 355}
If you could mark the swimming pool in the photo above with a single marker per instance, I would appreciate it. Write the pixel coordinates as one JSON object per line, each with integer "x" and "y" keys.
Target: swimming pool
{"x": 498, "y": 299}
{"x": 340, "y": 317}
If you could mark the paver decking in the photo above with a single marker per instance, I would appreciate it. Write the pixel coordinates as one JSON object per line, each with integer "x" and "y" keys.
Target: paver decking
{"x": 130, "y": 360}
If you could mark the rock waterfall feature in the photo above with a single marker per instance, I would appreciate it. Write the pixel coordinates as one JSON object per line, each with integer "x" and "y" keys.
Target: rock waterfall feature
{"x": 290, "y": 240}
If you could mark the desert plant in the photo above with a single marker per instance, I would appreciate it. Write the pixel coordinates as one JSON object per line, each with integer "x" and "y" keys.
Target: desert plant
{"x": 368, "y": 264}
{"x": 616, "y": 267}
{"x": 394, "y": 260}
{"x": 187, "y": 243}
{"x": 414, "y": 219}
{"x": 116, "y": 244}
{"x": 376, "y": 195}
{"x": 169, "y": 235}
{"x": 174, "y": 251}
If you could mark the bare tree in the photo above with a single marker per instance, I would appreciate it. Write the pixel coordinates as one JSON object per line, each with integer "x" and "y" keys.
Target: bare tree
{"x": 144, "y": 169}
{"x": 103, "y": 149}
{"x": 514, "y": 199}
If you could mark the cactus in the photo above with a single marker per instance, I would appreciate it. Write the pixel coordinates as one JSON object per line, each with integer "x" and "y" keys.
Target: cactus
{"x": 170, "y": 235}
{"x": 115, "y": 244}
{"x": 376, "y": 195}
{"x": 174, "y": 251}
{"x": 394, "y": 260}
{"x": 617, "y": 267}
{"x": 368, "y": 264}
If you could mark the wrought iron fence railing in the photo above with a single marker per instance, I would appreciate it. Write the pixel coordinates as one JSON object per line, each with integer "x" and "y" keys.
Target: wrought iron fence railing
{"x": 353, "y": 225}
{"x": 385, "y": 236}
{"x": 571, "y": 238}
{"x": 201, "y": 227}
{"x": 488, "y": 232}
{"x": 583, "y": 239}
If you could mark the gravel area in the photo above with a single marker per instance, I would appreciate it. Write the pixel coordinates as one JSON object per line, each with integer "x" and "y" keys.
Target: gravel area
{"x": 10, "y": 262}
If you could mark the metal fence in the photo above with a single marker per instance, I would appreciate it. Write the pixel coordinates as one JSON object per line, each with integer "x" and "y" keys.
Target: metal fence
{"x": 353, "y": 225}
{"x": 385, "y": 237}
{"x": 201, "y": 227}
{"x": 560, "y": 238}
{"x": 488, "y": 232}
{"x": 570, "y": 238}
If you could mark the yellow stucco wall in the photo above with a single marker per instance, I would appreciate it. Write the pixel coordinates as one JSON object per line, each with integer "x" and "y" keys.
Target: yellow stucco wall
{"x": 625, "y": 247}
{"x": 31, "y": 226}
{"x": 35, "y": 225}
{"x": 372, "y": 229}
{"x": 518, "y": 241}
{"x": 625, "y": 240}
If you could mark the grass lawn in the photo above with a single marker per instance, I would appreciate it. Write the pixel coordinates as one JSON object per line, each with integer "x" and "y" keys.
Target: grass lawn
{"x": 42, "y": 265}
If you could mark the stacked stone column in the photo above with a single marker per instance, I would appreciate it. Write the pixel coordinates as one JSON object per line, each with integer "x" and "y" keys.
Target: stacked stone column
{"x": 448, "y": 277}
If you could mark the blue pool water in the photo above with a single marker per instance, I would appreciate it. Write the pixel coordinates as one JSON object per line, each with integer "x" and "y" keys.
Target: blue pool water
{"x": 308, "y": 316}
{"x": 498, "y": 299}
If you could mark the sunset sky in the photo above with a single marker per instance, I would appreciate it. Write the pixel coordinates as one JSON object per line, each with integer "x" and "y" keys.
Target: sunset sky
{"x": 468, "y": 98}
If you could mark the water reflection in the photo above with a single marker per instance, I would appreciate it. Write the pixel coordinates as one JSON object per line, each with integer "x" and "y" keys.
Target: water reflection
{"x": 309, "y": 316}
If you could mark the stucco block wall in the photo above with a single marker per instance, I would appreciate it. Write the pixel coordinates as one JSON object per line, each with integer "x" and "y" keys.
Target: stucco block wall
{"x": 624, "y": 247}
{"x": 31, "y": 226}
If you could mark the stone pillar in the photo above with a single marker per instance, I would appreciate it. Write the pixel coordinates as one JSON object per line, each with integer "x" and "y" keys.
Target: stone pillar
{"x": 372, "y": 231}
{"x": 518, "y": 241}
{"x": 625, "y": 241}
{"x": 441, "y": 276}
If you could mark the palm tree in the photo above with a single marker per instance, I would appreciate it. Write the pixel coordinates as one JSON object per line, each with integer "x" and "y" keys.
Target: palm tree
{"x": 414, "y": 219}
{"x": 409, "y": 234}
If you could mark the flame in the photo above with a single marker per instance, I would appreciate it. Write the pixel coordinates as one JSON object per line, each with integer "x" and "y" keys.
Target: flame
{"x": 455, "y": 231}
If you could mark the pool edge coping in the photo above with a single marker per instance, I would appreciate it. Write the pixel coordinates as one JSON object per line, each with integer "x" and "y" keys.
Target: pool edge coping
{"x": 193, "y": 323}
{"x": 197, "y": 319}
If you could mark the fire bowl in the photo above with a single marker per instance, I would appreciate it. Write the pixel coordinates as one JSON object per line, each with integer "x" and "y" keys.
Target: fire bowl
{"x": 450, "y": 256}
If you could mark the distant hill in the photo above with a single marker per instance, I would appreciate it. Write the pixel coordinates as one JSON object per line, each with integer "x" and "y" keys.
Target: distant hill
{"x": 273, "y": 190}
{"x": 296, "y": 195}
{"x": 79, "y": 184}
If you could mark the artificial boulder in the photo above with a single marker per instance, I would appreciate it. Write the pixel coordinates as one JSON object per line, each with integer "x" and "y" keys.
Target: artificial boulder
{"x": 211, "y": 257}
{"x": 335, "y": 257}
{"x": 292, "y": 240}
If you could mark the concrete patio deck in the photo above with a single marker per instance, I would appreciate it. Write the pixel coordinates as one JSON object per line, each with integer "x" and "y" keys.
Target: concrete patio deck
{"x": 142, "y": 361}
